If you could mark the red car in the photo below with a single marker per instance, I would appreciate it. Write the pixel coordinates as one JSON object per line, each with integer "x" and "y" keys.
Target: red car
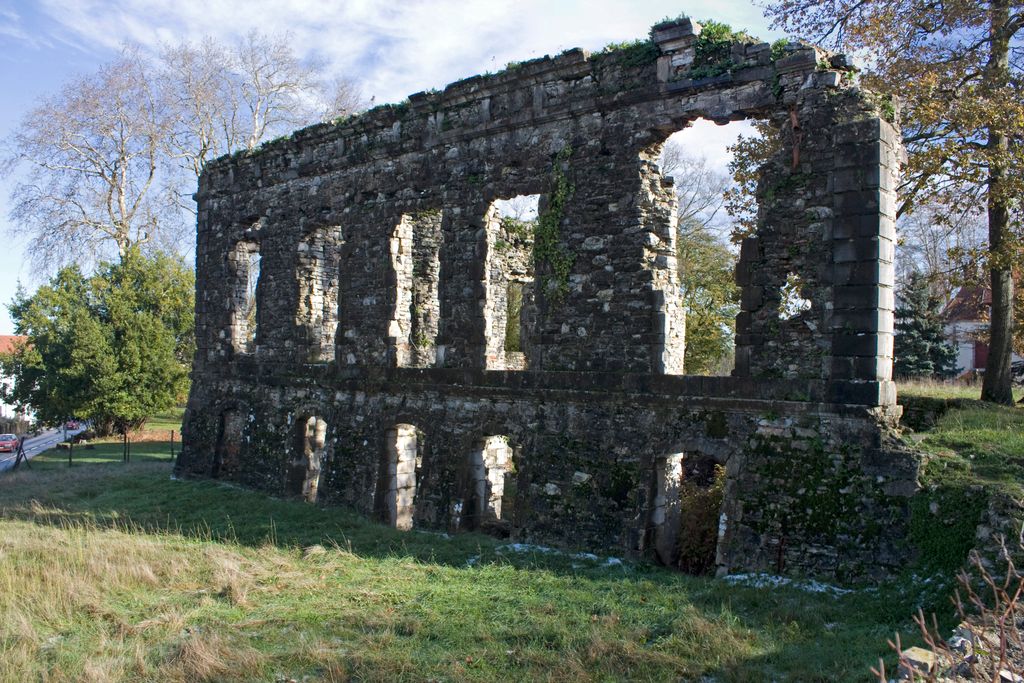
{"x": 8, "y": 443}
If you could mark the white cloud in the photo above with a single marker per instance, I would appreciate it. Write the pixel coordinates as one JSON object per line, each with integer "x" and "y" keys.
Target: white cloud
{"x": 392, "y": 49}
{"x": 707, "y": 139}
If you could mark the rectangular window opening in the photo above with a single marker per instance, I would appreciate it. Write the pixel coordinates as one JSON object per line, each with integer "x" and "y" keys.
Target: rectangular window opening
{"x": 246, "y": 263}
{"x": 508, "y": 280}
{"x": 416, "y": 264}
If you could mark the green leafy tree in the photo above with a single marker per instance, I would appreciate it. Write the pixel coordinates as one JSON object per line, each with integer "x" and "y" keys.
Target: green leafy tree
{"x": 957, "y": 68}
{"x": 921, "y": 348}
{"x": 711, "y": 298}
{"x": 749, "y": 154}
{"x": 706, "y": 266}
{"x": 113, "y": 348}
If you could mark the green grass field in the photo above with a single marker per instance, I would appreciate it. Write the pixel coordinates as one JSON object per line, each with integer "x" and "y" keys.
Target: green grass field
{"x": 938, "y": 389}
{"x": 115, "y": 572}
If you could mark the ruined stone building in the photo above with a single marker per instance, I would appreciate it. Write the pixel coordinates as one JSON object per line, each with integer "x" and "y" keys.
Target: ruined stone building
{"x": 373, "y": 333}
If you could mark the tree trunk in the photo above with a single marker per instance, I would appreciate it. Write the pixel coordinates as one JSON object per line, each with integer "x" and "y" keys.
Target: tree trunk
{"x": 997, "y": 386}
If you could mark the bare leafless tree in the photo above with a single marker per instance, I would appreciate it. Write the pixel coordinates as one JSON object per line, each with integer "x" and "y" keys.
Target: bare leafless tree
{"x": 700, "y": 188}
{"x": 112, "y": 160}
{"x": 341, "y": 97}
{"x": 269, "y": 85}
{"x": 89, "y": 160}
{"x": 236, "y": 97}
{"x": 195, "y": 78}
{"x": 942, "y": 244}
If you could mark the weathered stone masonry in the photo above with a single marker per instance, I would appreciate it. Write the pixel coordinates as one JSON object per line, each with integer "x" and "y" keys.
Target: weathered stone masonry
{"x": 381, "y": 375}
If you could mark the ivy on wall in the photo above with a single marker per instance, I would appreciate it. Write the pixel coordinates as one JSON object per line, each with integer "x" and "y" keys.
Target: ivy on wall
{"x": 554, "y": 261}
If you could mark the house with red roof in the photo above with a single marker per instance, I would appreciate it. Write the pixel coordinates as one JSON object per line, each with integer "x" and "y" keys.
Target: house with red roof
{"x": 12, "y": 419}
{"x": 966, "y": 320}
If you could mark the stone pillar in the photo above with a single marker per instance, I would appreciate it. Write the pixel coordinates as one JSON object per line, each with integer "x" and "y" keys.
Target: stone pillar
{"x": 400, "y": 326}
{"x": 415, "y": 308}
{"x": 867, "y": 157}
{"x": 426, "y": 269}
{"x": 463, "y": 292}
{"x": 316, "y": 276}
{"x": 399, "y": 487}
{"x": 615, "y": 306}
{"x": 368, "y": 283}
{"x": 826, "y": 220}
{"x": 676, "y": 41}
{"x": 658, "y": 206}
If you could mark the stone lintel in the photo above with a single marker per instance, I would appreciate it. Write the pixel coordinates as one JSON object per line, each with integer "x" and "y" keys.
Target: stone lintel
{"x": 799, "y": 60}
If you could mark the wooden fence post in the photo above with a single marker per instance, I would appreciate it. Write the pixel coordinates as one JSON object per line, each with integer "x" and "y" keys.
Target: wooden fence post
{"x": 21, "y": 455}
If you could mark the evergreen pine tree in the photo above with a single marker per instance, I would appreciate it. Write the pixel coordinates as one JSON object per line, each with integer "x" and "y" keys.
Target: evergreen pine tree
{"x": 921, "y": 347}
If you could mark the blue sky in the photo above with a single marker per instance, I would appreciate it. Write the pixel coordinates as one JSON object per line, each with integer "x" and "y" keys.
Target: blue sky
{"x": 390, "y": 49}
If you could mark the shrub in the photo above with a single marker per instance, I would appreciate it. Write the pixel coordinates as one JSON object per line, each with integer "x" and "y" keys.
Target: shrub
{"x": 698, "y": 528}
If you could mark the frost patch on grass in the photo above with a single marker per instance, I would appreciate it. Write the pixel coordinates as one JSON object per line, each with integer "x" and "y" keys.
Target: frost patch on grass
{"x": 772, "y": 581}
{"x": 546, "y": 550}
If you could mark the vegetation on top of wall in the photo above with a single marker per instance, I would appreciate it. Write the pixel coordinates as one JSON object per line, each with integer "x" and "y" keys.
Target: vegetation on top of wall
{"x": 713, "y": 49}
{"x": 631, "y": 53}
{"x": 779, "y": 48}
{"x": 668, "y": 21}
{"x": 547, "y": 248}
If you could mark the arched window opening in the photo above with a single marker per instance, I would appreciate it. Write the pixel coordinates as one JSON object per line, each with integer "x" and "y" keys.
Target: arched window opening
{"x": 484, "y": 505}
{"x": 695, "y": 264}
{"x": 245, "y": 264}
{"x": 308, "y": 450}
{"x": 397, "y": 489}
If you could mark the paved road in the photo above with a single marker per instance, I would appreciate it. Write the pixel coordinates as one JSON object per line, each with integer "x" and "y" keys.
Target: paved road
{"x": 36, "y": 445}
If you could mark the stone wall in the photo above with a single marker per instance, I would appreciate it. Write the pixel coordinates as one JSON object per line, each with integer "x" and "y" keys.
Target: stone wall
{"x": 382, "y": 308}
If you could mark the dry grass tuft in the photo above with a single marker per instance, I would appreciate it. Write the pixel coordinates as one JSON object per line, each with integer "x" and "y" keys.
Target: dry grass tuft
{"x": 208, "y": 656}
{"x": 230, "y": 580}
